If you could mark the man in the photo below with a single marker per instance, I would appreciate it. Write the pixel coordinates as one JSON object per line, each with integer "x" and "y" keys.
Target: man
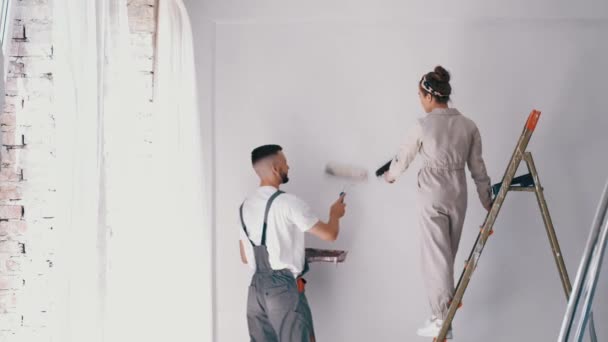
{"x": 272, "y": 243}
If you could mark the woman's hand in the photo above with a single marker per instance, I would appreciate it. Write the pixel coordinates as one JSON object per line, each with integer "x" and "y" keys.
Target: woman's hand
{"x": 388, "y": 178}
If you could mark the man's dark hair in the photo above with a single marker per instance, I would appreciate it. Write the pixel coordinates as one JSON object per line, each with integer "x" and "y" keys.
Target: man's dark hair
{"x": 263, "y": 152}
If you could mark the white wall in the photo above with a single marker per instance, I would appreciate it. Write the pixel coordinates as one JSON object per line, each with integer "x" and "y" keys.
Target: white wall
{"x": 338, "y": 82}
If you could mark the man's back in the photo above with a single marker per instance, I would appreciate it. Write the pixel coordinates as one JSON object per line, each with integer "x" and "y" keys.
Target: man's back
{"x": 277, "y": 309}
{"x": 288, "y": 219}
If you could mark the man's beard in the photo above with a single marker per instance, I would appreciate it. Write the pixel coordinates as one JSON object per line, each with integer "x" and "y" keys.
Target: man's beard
{"x": 284, "y": 178}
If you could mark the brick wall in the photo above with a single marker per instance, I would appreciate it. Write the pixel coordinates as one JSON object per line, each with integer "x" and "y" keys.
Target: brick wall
{"x": 26, "y": 183}
{"x": 142, "y": 22}
{"x": 27, "y": 168}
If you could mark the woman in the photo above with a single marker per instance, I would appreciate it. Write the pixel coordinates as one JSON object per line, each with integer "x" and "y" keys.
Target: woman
{"x": 446, "y": 141}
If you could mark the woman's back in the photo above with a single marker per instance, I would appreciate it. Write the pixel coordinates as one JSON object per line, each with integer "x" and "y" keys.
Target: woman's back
{"x": 446, "y": 138}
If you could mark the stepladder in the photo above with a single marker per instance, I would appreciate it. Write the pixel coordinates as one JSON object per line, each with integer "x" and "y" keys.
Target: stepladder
{"x": 578, "y": 312}
{"x": 529, "y": 182}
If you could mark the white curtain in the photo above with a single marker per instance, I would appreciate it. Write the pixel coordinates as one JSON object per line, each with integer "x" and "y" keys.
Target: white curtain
{"x": 160, "y": 276}
{"x": 79, "y": 132}
{"x": 136, "y": 260}
{"x": 179, "y": 126}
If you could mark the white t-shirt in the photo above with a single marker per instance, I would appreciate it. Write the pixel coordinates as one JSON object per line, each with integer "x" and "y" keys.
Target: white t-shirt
{"x": 289, "y": 218}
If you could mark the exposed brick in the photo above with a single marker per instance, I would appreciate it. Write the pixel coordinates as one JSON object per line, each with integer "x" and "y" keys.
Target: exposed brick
{"x": 38, "y": 66}
{"x": 12, "y": 229}
{"x": 25, "y": 10}
{"x": 12, "y": 103}
{"x": 34, "y": 3}
{"x": 141, "y": 2}
{"x": 10, "y": 192}
{"x": 11, "y": 212}
{"x": 15, "y": 68}
{"x": 10, "y": 175}
{"x": 37, "y": 30}
{"x": 8, "y": 129}
{"x": 27, "y": 110}
{"x": 142, "y": 18}
{"x": 12, "y": 86}
{"x": 12, "y": 265}
{"x": 24, "y": 48}
{"x": 8, "y": 107}
{"x": 8, "y": 119}
{"x": 143, "y": 48}
{"x": 7, "y": 139}
{"x": 10, "y": 246}
{"x": 18, "y": 30}
{"x": 143, "y": 44}
{"x": 10, "y": 282}
{"x": 9, "y": 263}
{"x": 8, "y": 156}
{"x": 32, "y": 86}
{"x": 8, "y": 301}
{"x": 28, "y": 118}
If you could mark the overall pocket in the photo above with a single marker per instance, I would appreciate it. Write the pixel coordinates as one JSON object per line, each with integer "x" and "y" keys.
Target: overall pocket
{"x": 282, "y": 296}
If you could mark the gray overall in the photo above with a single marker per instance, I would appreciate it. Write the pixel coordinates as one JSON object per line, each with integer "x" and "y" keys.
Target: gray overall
{"x": 277, "y": 309}
{"x": 449, "y": 142}
{"x": 446, "y": 141}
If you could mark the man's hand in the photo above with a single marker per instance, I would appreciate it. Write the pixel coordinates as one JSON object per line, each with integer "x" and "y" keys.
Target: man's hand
{"x": 388, "y": 178}
{"x": 338, "y": 209}
{"x": 329, "y": 231}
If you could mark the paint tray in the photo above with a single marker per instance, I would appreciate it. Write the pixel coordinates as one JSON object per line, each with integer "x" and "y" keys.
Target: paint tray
{"x": 325, "y": 255}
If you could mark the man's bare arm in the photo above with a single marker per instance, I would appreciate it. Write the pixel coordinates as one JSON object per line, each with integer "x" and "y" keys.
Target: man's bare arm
{"x": 329, "y": 231}
{"x": 243, "y": 255}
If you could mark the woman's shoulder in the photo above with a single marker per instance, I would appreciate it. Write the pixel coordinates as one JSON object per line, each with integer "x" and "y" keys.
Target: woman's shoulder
{"x": 467, "y": 120}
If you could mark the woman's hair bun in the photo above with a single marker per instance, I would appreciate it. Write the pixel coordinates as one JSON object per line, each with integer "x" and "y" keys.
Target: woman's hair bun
{"x": 441, "y": 75}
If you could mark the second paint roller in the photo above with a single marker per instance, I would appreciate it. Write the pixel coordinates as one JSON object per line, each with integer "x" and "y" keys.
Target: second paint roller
{"x": 350, "y": 173}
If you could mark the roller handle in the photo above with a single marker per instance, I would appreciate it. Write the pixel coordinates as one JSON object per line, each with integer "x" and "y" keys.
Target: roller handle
{"x": 383, "y": 169}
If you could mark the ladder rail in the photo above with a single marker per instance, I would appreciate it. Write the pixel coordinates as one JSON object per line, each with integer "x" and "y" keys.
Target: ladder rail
{"x": 555, "y": 248}
{"x": 583, "y": 269}
{"x": 592, "y": 283}
{"x": 482, "y": 237}
{"x": 518, "y": 156}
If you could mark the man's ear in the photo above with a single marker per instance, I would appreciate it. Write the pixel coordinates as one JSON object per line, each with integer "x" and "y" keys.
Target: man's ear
{"x": 275, "y": 168}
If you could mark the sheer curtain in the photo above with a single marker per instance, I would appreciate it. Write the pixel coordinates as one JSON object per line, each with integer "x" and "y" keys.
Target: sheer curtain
{"x": 178, "y": 123}
{"x": 79, "y": 130}
{"x": 135, "y": 262}
{"x": 160, "y": 275}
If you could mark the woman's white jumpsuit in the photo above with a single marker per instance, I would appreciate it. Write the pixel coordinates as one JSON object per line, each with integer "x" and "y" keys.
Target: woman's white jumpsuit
{"x": 446, "y": 141}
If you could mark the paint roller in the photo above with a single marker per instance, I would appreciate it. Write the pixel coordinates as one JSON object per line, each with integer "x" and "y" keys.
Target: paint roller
{"x": 350, "y": 173}
{"x": 383, "y": 169}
